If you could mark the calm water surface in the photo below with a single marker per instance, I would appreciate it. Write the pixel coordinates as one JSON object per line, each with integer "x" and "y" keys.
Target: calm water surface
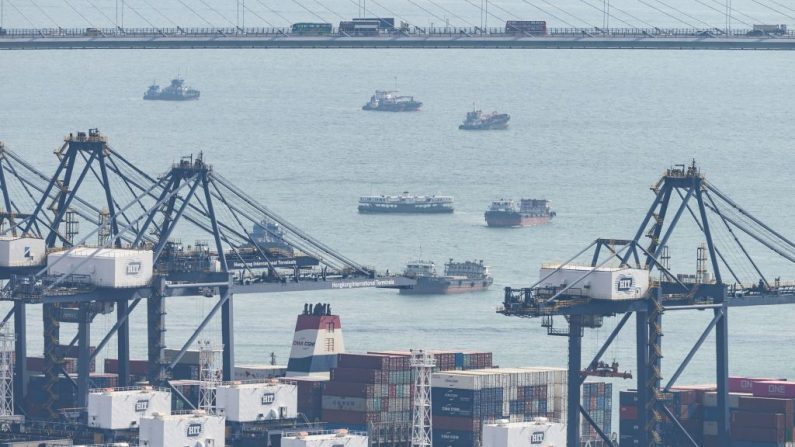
{"x": 590, "y": 130}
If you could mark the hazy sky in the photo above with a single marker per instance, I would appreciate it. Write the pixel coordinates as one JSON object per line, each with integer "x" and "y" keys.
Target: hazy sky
{"x": 281, "y": 13}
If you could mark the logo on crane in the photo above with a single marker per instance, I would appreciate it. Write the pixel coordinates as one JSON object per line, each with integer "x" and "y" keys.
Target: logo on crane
{"x": 625, "y": 283}
{"x": 134, "y": 268}
{"x": 194, "y": 430}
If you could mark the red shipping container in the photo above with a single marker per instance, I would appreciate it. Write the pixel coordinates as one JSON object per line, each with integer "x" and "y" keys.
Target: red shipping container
{"x": 137, "y": 367}
{"x": 758, "y": 420}
{"x": 345, "y": 417}
{"x": 745, "y": 384}
{"x": 767, "y": 405}
{"x": 758, "y": 434}
{"x": 628, "y": 412}
{"x": 348, "y": 389}
{"x": 777, "y": 388}
{"x": 358, "y": 375}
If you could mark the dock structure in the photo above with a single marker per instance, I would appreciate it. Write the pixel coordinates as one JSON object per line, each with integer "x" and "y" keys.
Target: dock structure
{"x": 130, "y": 251}
{"x": 581, "y": 296}
{"x": 416, "y": 38}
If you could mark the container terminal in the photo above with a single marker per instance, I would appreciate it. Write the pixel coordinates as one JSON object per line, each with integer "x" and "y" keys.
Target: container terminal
{"x": 196, "y": 394}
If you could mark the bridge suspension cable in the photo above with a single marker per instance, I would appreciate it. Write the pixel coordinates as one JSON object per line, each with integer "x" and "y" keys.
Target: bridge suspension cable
{"x": 99, "y": 10}
{"x": 739, "y": 13}
{"x": 684, "y": 13}
{"x": 68, "y": 3}
{"x": 161, "y": 14}
{"x": 427, "y": 11}
{"x": 329, "y": 9}
{"x": 718, "y": 10}
{"x": 135, "y": 11}
{"x": 569, "y": 14}
{"x": 259, "y": 16}
{"x": 668, "y": 14}
{"x": 451, "y": 13}
{"x": 33, "y": 2}
{"x": 608, "y": 13}
{"x": 218, "y": 13}
{"x": 274, "y": 12}
{"x": 195, "y": 13}
{"x": 782, "y": 5}
{"x": 489, "y": 13}
{"x": 22, "y": 14}
{"x": 309, "y": 10}
{"x": 550, "y": 14}
{"x": 773, "y": 9}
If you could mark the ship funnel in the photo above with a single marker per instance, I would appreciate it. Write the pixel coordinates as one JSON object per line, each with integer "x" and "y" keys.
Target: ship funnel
{"x": 317, "y": 341}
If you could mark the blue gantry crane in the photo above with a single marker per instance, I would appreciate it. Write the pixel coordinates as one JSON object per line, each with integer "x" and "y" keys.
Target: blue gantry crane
{"x": 252, "y": 250}
{"x": 732, "y": 236}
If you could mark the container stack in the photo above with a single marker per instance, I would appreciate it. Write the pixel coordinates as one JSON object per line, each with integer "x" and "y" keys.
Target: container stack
{"x": 138, "y": 369}
{"x": 462, "y": 401}
{"x": 450, "y": 360}
{"x": 310, "y": 395}
{"x": 597, "y": 400}
{"x": 367, "y": 389}
{"x": 761, "y": 411}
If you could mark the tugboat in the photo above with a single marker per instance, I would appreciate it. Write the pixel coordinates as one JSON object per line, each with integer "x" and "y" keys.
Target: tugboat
{"x": 459, "y": 277}
{"x": 177, "y": 91}
{"x": 506, "y": 213}
{"x": 269, "y": 237}
{"x": 389, "y": 101}
{"x": 405, "y": 203}
{"x": 477, "y": 120}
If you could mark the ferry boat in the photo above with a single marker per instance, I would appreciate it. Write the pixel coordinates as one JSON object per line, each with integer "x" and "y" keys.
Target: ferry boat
{"x": 459, "y": 277}
{"x": 269, "y": 237}
{"x": 406, "y": 203}
{"x": 507, "y": 213}
{"x": 177, "y": 91}
{"x": 390, "y": 101}
{"x": 477, "y": 120}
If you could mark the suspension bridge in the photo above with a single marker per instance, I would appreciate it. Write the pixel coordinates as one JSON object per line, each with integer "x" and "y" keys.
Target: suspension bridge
{"x": 611, "y": 24}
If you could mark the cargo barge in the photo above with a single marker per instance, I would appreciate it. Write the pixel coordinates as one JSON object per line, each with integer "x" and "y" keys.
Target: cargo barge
{"x": 459, "y": 277}
{"x": 406, "y": 203}
{"x": 506, "y": 213}
{"x": 390, "y": 101}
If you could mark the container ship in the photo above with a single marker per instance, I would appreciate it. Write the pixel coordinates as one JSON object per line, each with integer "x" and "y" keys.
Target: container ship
{"x": 477, "y": 120}
{"x": 459, "y": 277}
{"x": 506, "y": 213}
{"x": 177, "y": 91}
{"x": 390, "y": 101}
{"x": 406, "y": 203}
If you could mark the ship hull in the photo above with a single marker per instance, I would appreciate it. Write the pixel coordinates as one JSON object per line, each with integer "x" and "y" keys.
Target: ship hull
{"x": 514, "y": 219}
{"x": 444, "y": 286}
{"x": 491, "y": 126}
{"x": 405, "y": 209}
{"x": 407, "y": 107}
{"x": 170, "y": 98}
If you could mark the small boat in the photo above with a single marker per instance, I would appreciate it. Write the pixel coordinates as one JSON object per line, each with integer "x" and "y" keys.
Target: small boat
{"x": 390, "y": 101}
{"x": 477, "y": 120}
{"x": 177, "y": 91}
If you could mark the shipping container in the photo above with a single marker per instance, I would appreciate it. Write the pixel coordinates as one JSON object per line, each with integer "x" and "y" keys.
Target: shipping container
{"x": 123, "y": 409}
{"x": 253, "y": 402}
{"x": 179, "y": 430}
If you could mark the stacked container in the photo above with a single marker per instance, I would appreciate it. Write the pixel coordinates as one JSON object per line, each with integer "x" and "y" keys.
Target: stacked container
{"x": 368, "y": 388}
{"x": 462, "y": 401}
{"x": 597, "y": 400}
{"x": 310, "y": 395}
{"x": 761, "y": 411}
{"x": 449, "y": 360}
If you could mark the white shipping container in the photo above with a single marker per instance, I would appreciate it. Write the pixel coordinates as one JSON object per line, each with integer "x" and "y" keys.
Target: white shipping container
{"x": 539, "y": 433}
{"x": 253, "y": 402}
{"x": 340, "y": 439}
{"x": 197, "y": 429}
{"x": 109, "y": 267}
{"x": 123, "y": 409}
{"x": 604, "y": 283}
{"x": 21, "y": 251}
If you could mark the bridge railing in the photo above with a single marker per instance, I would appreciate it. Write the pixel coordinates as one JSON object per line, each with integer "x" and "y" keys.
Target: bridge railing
{"x": 413, "y": 31}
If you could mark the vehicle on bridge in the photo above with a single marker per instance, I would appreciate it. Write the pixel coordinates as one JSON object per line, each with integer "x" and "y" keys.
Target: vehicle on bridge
{"x": 766, "y": 30}
{"x": 311, "y": 29}
{"x": 528, "y": 27}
